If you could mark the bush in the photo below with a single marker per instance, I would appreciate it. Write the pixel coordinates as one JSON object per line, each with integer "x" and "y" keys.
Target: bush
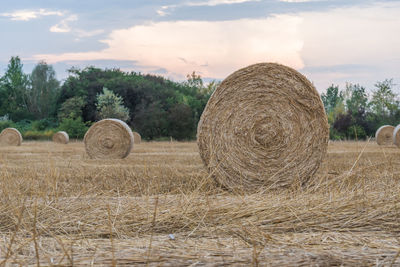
{"x": 75, "y": 128}
{"x": 44, "y": 124}
{"x": 356, "y": 132}
{"x": 335, "y": 134}
{"x": 38, "y": 135}
{"x": 6, "y": 124}
{"x": 23, "y": 125}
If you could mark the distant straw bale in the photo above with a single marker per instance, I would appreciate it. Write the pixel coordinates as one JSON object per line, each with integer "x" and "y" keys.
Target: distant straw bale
{"x": 265, "y": 125}
{"x": 109, "y": 139}
{"x": 61, "y": 137}
{"x": 10, "y": 137}
{"x": 137, "y": 137}
{"x": 395, "y": 136}
{"x": 384, "y": 135}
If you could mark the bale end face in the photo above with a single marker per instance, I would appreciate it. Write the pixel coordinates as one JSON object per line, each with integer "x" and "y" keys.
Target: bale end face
{"x": 265, "y": 125}
{"x": 109, "y": 139}
{"x": 10, "y": 137}
{"x": 61, "y": 137}
{"x": 396, "y": 136}
{"x": 384, "y": 135}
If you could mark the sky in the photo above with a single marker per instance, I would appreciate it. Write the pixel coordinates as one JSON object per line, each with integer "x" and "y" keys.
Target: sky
{"x": 329, "y": 41}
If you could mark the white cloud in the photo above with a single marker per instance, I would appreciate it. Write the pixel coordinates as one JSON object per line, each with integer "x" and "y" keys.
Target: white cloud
{"x": 163, "y": 11}
{"x": 213, "y": 49}
{"x": 298, "y": 1}
{"x": 366, "y": 36}
{"x": 26, "y": 15}
{"x": 218, "y": 2}
{"x": 63, "y": 26}
{"x": 82, "y": 33}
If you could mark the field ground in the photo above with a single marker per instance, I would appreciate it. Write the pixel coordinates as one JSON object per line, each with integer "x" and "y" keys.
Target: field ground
{"x": 159, "y": 207}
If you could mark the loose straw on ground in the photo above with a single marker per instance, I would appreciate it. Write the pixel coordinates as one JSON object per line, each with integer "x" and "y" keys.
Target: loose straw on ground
{"x": 137, "y": 137}
{"x": 384, "y": 135}
{"x": 395, "y": 135}
{"x": 10, "y": 137}
{"x": 109, "y": 139}
{"x": 264, "y": 125}
{"x": 61, "y": 137}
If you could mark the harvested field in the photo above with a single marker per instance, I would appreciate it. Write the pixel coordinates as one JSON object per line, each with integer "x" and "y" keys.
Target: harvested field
{"x": 159, "y": 207}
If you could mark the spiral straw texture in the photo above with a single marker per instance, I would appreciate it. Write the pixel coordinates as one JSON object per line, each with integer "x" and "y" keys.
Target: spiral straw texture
{"x": 10, "y": 137}
{"x": 137, "y": 137}
{"x": 61, "y": 137}
{"x": 384, "y": 135}
{"x": 109, "y": 139}
{"x": 395, "y": 135}
{"x": 265, "y": 125}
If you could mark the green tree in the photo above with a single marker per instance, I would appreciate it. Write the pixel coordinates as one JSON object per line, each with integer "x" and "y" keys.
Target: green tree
{"x": 71, "y": 108}
{"x": 356, "y": 98}
{"x": 43, "y": 91}
{"x": 383, "y": 102}
{"x": 333, "y": 102}
{"x": 13, "y": 90}
{"x": 110, "y": 105}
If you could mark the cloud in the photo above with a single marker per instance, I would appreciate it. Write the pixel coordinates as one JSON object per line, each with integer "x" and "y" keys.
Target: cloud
{"x": 299, "y": 1}
{"x": 211, "y": 48}
{"x": 163, "y": 11}
{"x": 218, "y": 2}
{"x": 26, "y": 15}
{"x": 350, "y": 38}
{"x": 63, "y": 26}
{"x": 82, "y": 33}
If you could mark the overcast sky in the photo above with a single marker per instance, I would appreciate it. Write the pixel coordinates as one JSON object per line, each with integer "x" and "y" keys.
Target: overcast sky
{"x": 330, "y": 41}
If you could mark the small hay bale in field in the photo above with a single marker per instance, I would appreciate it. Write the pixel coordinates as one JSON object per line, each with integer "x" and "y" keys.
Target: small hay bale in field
{"x": 61, "y": 137}
{"x": 395, "y": 136}
{"x": 109, "y": 139}
{"x": 265, "y": 125}
{"x": 384, "y": 135}
{"x": 10, "y": 137}
{"x": 137, "y": 137}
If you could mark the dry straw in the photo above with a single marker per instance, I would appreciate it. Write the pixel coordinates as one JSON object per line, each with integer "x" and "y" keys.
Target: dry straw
{"x": 395, "y": 135}
{"x": 109, "y": 139}
{"x": 264, "y": 125}
{"x": 384, "y": 135}
{"x": 10, "y": 137}
{"x": 61, "y": 137}
{"x": 137, "y": 137}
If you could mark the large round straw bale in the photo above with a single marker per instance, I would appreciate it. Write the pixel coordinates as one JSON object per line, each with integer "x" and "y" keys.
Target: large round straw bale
{"x": 109, "y": 139}
{"x": 10, "y": 137}
{"x": 384, "y": 135}
{"x": 61, "y": 137}
{"x": 395, "y": 136}
{"x": 265, "y": 125}
{"x": 137, "y": 137}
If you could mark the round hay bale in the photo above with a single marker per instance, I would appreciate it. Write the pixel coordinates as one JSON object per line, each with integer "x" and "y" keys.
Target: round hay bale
{"x": 108, "y": 139}
{"x": 265, "y": 125}
{"x": 384, "y": 135}
{"x": 395, "y": 136}
{"x": 10, "y": 137}
{"x": 61, "y": 137}
{"x": 137, "y": 137}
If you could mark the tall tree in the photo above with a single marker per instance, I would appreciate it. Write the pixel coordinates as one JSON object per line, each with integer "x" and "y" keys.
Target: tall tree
{"x": 331, "y": 98}
{"x": 43, "y": 91}
{"x": 13, "y": 89}
{"x": 110, "y": 105}
{"x": 383, "y": 101}
{"x": 356, "y": 99}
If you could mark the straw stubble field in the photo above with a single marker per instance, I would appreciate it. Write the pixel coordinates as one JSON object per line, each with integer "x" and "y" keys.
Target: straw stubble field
{"x": 160, "y": 207}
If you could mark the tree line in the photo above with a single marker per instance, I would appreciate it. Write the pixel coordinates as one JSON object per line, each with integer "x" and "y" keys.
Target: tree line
{"x": 38, "y": 104}
{"x": 355, "y": 114}
{"x": 154, "y": 106}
